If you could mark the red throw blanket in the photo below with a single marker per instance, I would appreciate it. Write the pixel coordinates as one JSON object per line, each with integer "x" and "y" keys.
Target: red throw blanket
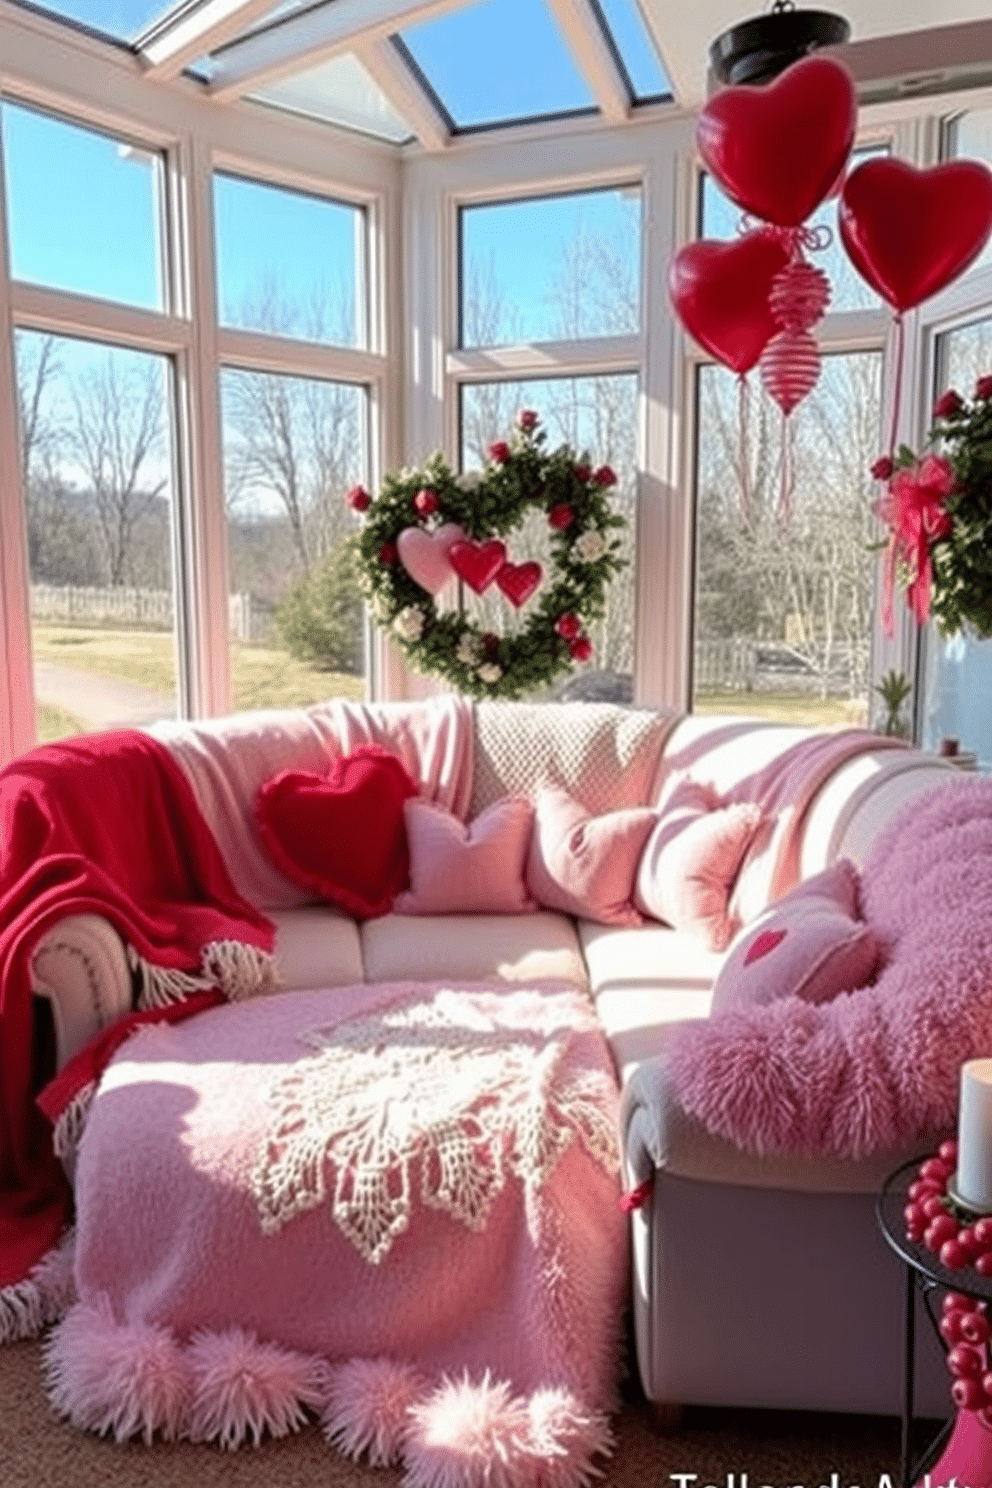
{"x": 104, "y": 824}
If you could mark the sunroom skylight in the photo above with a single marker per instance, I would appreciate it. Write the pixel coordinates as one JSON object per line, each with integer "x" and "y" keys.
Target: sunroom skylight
{"x": 624, "y": 26}
{"x": 496, "y": 62}
{"x": 341, "y": 92}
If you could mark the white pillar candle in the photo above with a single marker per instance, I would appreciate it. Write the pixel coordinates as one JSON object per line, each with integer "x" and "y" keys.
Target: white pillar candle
{"x": 974, "y": 1175}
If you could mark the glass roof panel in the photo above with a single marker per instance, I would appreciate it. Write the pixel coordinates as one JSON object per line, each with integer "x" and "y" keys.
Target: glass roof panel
{"x": 341, "y": 92}
{"x": 624, "y": 24}
{"x": 498, "y": 62}
{"x": 122, "y": 20}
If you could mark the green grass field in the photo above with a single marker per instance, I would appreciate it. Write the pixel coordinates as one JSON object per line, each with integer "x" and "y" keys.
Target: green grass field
{"x": 261, "y": 676}
{"x": 268, "y": 677}
{"x": 798, "y": 708}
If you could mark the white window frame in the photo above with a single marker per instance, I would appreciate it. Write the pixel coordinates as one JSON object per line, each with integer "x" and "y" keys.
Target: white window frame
{"x": 497, "y": 169}
{"x": 76, "y": 77}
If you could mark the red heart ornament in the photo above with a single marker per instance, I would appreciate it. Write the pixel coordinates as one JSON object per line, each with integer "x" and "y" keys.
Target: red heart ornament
{"x": 720, "y": 293}
{"x": 778, "y": 148}
{"x": 910, "y": 232}
{"x": 762, "y": 944}
{"x": 477, "y": 563}
{"x": 518, "y": 581}
{"x": 342, "y": 836}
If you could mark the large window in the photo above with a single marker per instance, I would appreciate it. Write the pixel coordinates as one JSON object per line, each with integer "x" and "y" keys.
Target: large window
{"x": 96, "y": 467}
{"x": 784, "y": 560}
{"x": 84, "y": 210}
{"x": 556, "y": 281}
{"x": 292, "y": 448}
{"x": 289, "y": 264}
{"x": 597, "y": 418}
{"x": 557, "y": 268}
{"x": 957, "y": 672}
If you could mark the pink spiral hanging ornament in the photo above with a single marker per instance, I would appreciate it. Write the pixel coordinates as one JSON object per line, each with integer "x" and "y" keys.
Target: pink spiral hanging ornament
{"x": 790, "y": 363}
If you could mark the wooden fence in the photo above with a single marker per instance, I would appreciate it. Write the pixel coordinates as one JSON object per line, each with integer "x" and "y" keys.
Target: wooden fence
{"x": 153, "y": 608}
{"x": 741, "y": 664}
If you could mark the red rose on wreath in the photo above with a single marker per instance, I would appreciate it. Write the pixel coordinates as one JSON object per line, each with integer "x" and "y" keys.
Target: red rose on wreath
{"x": 499, "y": 452}
{"x": 949, "y": 404}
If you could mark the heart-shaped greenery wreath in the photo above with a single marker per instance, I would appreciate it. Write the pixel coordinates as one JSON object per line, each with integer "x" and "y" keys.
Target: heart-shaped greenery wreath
{"x": 485, "y": 506}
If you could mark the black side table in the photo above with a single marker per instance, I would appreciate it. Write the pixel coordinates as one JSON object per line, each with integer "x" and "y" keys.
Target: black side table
{"x": 924, "y": 1274}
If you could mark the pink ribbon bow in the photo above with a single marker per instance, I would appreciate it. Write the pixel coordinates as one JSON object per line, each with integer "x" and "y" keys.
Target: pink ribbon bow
{"x": 914, "y": 508}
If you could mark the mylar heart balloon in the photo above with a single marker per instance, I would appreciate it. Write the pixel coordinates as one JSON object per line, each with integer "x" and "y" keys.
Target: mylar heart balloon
{"x": 518, "y": 581}
{"x": 424, "y": 554}
{"x": 720, "y": 293}
{"x": 910, "y": 232}
{"x": 777, "y": 149}
{"x": 477, "y": 563}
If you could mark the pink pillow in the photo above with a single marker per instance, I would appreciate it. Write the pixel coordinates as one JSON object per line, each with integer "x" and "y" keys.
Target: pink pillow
{"x": 341, "y": 835}
{"x": 809, "y": 944}
{"x": 467, "y": 869}
{"x": 585, "y": 865}
{"x": 689, "y": 866}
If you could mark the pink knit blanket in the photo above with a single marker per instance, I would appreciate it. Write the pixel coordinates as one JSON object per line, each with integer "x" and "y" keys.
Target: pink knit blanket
{"x": 879, "y": 1066}
{"x": 393, "y": 1205}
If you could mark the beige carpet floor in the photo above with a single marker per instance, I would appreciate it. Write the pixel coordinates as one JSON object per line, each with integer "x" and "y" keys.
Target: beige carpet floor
{"x": 775, "y": 1449}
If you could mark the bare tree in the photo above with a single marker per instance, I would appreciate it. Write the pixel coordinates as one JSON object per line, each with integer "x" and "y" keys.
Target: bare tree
{"x": 118, "y": 439}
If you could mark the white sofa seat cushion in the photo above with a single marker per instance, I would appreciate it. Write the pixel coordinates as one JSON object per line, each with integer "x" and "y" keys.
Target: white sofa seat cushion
{"x": 81, "y": 967}
{"x": 519, "y": 948}
{"x": 644, "y": 979}
{"x": 316, "y": 947}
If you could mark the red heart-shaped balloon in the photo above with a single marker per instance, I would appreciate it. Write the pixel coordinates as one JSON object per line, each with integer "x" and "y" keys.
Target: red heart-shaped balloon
{"x": 910, "y": 232}
{"x": 477, "y": 563}
{"x": 518, "y": 581}
{"x": 720, "y": 293}
{"x": 778, "y": 148}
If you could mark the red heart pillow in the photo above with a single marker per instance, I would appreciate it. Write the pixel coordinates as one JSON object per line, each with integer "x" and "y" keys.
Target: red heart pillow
{"x": 341, "y": 835}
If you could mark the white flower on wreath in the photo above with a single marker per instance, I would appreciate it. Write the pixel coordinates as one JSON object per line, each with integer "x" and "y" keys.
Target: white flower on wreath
{"x": 469, "y": 480}
{"x": 489, "y": 673}
{"x": 409, "y": 623}
{"x": 590, "y": 546}
{"x": 468, "y": 650}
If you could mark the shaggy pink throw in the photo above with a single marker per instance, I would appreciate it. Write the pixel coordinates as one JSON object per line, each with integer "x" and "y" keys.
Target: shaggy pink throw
{"x": 879, "y": 1066}
{"x": 395, "y": 1205}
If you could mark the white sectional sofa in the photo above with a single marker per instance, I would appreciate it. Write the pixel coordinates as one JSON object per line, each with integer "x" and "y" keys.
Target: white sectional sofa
{"x": 756, "y": 1281}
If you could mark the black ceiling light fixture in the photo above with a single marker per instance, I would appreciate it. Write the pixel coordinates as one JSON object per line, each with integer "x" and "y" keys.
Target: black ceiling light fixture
{"x": 757, "y": 50}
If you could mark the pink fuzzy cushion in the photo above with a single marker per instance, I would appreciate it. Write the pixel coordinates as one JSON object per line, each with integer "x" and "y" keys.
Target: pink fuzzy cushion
{"x": 810, "y": 944}
{"x": 585, "y": 865}
{"x": 341, "y": 835}
{"x": 691, "y": 861}
{"x": 476, "y": 868}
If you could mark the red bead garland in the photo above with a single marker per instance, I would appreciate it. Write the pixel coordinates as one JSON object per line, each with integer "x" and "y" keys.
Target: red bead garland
{"x": 930, "y": 1219}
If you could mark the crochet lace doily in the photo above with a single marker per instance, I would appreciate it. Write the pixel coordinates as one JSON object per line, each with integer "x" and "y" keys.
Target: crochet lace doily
{"x": 445, "y": 1086}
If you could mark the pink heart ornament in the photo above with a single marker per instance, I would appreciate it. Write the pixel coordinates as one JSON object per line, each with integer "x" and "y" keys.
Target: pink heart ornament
{"x": 424, "y": 554}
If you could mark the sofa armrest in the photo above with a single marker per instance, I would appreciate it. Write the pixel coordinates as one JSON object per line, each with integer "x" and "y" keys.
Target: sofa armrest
{"x": 80, "y": 967}
{"x": 657, "y": 1133}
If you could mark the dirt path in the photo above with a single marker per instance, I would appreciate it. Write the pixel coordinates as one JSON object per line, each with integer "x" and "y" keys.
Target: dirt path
{"x": 97, "y": 701}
